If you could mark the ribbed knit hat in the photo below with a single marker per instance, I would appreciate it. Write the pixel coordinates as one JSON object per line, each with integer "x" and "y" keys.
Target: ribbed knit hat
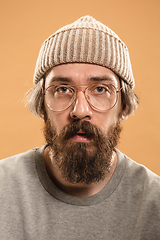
{"x": 85, "y": 41}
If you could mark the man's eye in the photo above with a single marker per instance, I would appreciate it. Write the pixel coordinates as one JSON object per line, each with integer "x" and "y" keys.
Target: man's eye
{"x": 62, "y": 89}
{"x": 100, "y": 89}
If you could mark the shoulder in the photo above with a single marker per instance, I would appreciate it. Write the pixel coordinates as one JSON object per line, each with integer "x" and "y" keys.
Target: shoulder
{"x": 139, "y": 178}
{"x": 137, "y": 171}
{"x": 18, "y": 164}
{"x": 141, "y": 189}
{"x": 12, "y": 161}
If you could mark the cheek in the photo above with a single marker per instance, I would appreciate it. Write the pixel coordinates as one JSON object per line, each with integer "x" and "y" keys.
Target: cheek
{"x": 58, "y": 120}
{"x": 105, "y": 120}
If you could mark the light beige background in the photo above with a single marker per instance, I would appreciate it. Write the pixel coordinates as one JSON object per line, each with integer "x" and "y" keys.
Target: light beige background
{"x": 26, "y": 24}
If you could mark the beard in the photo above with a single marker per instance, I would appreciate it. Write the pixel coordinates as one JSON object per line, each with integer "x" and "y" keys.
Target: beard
{"x": 82, "y": 162}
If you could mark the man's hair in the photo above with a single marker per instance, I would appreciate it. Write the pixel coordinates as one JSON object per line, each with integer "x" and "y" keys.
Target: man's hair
{"x": 35, "y": 98}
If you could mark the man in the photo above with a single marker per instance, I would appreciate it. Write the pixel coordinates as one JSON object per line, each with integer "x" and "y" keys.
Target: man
{"x": 79, "y": 186}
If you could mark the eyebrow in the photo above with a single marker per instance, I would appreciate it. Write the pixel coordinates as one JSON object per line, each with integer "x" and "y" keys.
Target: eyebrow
{"x": 90, "y": 79}
{"x": 60, "y": 79}
{"x": 101, "y": 78}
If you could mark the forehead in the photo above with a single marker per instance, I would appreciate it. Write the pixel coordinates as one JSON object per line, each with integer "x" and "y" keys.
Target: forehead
{"x": 80, "y": 74}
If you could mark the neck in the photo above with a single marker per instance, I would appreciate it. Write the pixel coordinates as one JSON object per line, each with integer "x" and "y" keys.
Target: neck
{"x": 77, "y": 189}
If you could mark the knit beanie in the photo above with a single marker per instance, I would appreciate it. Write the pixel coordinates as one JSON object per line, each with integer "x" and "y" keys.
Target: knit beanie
{"x": 85, "y": 41}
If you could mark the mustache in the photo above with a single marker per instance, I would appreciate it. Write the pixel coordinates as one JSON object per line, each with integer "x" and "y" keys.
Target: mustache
{"x": 86, "y": 127}
{"x": 98, "y": 137}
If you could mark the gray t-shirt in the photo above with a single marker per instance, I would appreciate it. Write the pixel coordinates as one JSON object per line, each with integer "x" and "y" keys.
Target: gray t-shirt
{"x": 32, "y": 207}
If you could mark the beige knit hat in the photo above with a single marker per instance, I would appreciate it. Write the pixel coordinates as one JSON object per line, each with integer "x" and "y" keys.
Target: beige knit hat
{"x": 85, "y": 41}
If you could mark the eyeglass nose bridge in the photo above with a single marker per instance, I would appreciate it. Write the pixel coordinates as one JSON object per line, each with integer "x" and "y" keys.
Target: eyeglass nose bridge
{"x": 76, "y": 90}
{"x": 80, "y": 90}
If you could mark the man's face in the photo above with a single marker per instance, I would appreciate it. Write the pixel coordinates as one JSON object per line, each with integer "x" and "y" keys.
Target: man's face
{"x": 82, "y": 75}
{"x": 81, "y": 138}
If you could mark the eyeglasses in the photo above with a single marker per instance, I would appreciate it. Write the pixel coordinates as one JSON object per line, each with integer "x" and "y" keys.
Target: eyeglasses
{"x": 101, "y": 97}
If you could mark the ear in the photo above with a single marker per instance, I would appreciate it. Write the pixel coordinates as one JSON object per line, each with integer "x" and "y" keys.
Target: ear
{"x": 123, "y": 115}
{"x": 43, "y": 113}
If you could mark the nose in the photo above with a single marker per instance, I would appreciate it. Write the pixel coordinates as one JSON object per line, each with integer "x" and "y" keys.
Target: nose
{"x": 81, "y": 108}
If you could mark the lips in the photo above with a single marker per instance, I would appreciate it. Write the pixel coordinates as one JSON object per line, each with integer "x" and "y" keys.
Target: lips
{"x": 81, "y": 137}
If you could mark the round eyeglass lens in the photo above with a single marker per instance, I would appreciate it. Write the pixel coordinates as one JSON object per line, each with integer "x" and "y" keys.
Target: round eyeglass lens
{"x": 59, "y": 98}
{"x": 102, "y": 97}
